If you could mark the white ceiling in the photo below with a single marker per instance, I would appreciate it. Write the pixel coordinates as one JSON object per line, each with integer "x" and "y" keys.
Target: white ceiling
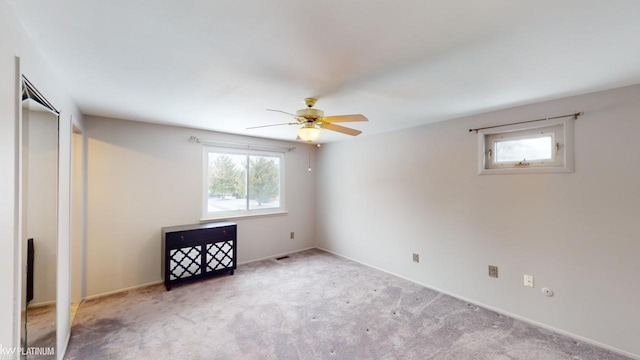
{"x": 218, "y": 64}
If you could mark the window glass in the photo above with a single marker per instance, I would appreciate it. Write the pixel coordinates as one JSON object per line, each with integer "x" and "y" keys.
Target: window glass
{"x": 264, "y": 182}
{"x": 239, "y": 182}
{"x": 227, "y": 185}
{"x": 528, "y": 148}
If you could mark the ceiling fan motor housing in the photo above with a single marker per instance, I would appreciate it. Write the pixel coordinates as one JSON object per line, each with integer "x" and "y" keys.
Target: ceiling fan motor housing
{"x": 310, "y": 113}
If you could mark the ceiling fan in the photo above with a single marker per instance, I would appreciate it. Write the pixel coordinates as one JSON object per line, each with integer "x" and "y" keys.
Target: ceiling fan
{"x": 313, "y": 121}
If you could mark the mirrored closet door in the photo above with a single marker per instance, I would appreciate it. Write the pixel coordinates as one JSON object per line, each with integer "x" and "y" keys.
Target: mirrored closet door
{"x": 39, "y": 193}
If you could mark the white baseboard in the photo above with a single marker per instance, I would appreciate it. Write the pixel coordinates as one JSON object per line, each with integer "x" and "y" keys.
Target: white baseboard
{"x": 277, "y": 255}
{"x": 160, "y": 281}
{"x": 122, "y": 290}
{"x": 41, "y": 304}
{"x": 488, "y": 307}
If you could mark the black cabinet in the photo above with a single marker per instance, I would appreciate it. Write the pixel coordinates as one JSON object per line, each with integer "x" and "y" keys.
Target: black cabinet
{"x": 191, "y": 252}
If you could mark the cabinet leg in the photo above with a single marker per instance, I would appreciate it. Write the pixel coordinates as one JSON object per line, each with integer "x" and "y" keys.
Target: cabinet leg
{"x": 231, "y": 272}
{"x": 168, "y": 287}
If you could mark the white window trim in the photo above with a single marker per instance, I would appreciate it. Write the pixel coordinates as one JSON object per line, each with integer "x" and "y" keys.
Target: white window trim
{"x": 567, "y": 143}
{"x": 239, "y": 214}
{"x": 244, "y": 216}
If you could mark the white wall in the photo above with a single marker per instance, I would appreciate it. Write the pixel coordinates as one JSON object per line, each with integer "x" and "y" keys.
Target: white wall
{"x": 383, "y": 197}
{"x": 142, "y": 177}
{"x": 14, "y": 41}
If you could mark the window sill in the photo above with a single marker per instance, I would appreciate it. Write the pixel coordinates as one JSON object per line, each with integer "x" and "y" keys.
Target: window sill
{"x": 244, "y": 216}
{"x": 531, "y": 170}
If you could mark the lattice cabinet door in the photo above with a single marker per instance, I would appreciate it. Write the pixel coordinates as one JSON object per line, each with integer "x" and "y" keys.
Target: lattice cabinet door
{"x": 219, "y": 255}
{"x": 192, "y": 252}
{"x": 185, "y": 262}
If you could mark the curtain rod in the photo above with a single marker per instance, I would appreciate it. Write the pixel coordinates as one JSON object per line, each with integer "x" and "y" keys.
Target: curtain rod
{"x": 236, "y": 145}
{"x": 574, "y": 115}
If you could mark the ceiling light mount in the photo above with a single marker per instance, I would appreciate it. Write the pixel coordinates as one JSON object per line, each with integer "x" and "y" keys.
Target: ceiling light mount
{"x": 310, "y": 101}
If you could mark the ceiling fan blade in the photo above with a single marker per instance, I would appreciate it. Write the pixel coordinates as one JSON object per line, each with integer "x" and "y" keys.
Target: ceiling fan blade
{"x": 284, "y": 112}
{"x": 345, "y": 118}
{"x": 261, "y": 126}
{"x": 300, "y": 119}
{"x": 341, "y": 129}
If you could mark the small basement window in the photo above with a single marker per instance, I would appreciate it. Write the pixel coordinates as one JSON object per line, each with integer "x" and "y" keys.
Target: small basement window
{"x": 546, "y": 146}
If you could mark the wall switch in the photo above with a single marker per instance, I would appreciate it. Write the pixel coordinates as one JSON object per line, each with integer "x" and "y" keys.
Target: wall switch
{"x": 528, "y": 280}
{"x": 493, "y": 271}
{"x": 292, "y": 235}
{"x": 416, "y": 258}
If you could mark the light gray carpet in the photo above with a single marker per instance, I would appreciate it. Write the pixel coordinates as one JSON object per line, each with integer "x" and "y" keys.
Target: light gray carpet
{"x": 41, "y": 330}
{"x": 313, "y": 305}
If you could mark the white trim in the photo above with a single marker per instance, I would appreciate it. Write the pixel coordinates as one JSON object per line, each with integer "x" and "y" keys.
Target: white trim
{"x": 277, "y": 255}
{"x": 41, "y": 304}
{"x": 91, "y": 297}
{"x": 500, "y": 311}
{"x": 244, "y": 216}
{"x": 96, "y": 296}
{"x": 18, "y": 209}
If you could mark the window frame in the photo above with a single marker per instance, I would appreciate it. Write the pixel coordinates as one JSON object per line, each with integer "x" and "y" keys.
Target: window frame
{"x": 562, "y": 161}
{"x": 247, "y": 212}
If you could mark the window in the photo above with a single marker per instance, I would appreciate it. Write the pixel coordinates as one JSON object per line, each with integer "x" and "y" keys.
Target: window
{"x": 240, "y": 182}
{"x": 546, "y": 146}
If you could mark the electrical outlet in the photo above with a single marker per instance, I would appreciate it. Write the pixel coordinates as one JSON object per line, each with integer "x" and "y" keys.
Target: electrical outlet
{"x": 292, "y": 235}
{"x": 493, "y": 271}
{"x": 528, "y": 280}
{"x": 416, "y": 258}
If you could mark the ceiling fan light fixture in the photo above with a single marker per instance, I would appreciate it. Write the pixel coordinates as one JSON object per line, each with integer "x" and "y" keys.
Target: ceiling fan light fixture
{"x": 309, "y": 133}
{"x": 313, "y": 122}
